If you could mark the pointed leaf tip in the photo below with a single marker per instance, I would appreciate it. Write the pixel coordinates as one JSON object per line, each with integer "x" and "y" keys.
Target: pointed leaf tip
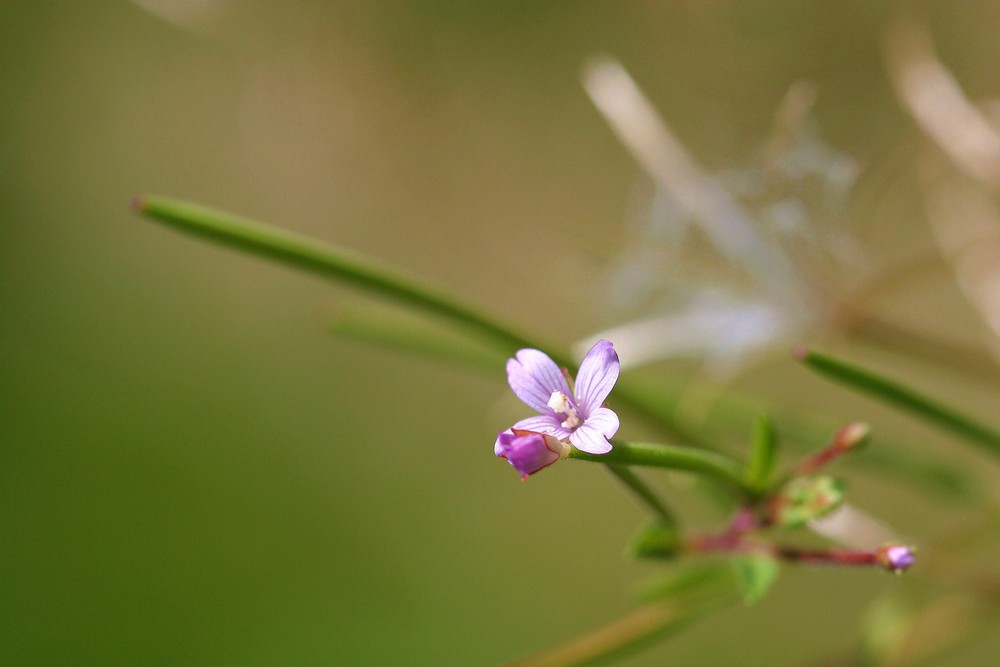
{"x": 756, "y": 574}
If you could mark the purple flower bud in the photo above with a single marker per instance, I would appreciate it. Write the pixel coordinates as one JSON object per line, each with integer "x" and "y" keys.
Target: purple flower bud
{"x": 528, "y": 451}
{"x": 896, "y": 557}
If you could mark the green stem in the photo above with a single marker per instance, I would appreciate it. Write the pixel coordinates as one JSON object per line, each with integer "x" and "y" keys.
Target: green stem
{"x": 902, "y": 397}
{"x": 629, "y": 634}
{"x": 711, "y": 464}
{"x": 638, "y": 486}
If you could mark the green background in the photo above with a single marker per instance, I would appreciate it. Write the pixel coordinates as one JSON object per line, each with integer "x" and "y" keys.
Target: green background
{"x": 194, "y": 471}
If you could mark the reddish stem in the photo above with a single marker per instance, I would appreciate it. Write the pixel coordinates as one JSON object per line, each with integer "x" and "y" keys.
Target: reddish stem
{"x": 826, "y": 556}
{"x": 844, "y": 440}
{"x": 730, "y": 541}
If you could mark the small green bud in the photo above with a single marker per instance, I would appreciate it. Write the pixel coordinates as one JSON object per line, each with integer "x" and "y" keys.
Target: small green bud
{"x": 805, "y": 498}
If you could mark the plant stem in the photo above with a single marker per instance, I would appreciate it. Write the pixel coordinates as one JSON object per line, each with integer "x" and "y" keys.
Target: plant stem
{"x": 638, "y": 486}
{"x": 826, "y": 557}
{"x": 729, "y": 543}
{"x": 629, "y": 633}
{"x": 846, "y": 439}
{"x": 711, "y": 464}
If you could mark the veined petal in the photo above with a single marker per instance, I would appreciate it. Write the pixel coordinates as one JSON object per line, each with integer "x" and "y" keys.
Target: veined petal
{"x": 604, "y": 421}
{"x": 590, "y": 440}
{"x": 598, "y": 374}
{"x": 543, "y": 424}
{"x": 533, "y": 376}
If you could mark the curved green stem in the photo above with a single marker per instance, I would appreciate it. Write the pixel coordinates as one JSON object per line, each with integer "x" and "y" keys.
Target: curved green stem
{"x": 638, "y": 486}
{"x": 629, "y": 634}
{"x": 711, "y": 464}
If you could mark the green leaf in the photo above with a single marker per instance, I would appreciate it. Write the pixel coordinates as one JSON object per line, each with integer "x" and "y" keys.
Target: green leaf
{"x": 703, "y": 576}
{"x": 655, "y": 540}
{"x": 887, "y": 625}
{"x": 763, "y": 453}
{"x": 328, "y": 260}
{"x": 904, "y": 398}
{"x": 756, "y": 574}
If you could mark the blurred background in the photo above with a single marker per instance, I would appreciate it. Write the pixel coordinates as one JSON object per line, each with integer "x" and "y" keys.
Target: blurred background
{"x": 196, "y": 470}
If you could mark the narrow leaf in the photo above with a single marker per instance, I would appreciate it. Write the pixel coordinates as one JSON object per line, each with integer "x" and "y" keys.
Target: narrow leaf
{"x": 700, "y": 577}
{"x": 756, "y": 573}
{"x": 317, "y": 257}
{"x": 763, "y": 453}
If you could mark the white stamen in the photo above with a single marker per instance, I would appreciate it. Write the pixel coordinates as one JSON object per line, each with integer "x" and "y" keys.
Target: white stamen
{"x": 560, "y": 404}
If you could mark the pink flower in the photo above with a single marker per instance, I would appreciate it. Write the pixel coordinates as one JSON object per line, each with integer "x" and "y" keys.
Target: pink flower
{"x": 566, "y": 412}
{"x": 895, "y": 557}
{"x": 528, "y": 451}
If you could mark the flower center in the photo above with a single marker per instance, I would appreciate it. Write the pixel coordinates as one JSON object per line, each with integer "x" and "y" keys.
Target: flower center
{"x": 561, "y": 405}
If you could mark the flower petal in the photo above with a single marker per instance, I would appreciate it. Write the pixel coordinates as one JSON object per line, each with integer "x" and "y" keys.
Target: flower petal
{"x": 543, "y": 424}
{"x": 590, "y": 440}
{"x": 500, "y": 445}
{"x": 598, "y": 374}
{"x": 533, "y": 376}
{"x": 604, "y": 421}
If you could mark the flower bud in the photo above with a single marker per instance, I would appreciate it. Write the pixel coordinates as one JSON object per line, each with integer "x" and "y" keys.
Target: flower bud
{"x": 804, "y": 499}
{"x": 529, "y": 451}
{"x": 895, "y": 557}
{"x": 853, "y": 436}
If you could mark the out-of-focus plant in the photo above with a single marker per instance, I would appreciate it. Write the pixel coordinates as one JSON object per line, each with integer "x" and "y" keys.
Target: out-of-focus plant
{"x": 767, "y": 287}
